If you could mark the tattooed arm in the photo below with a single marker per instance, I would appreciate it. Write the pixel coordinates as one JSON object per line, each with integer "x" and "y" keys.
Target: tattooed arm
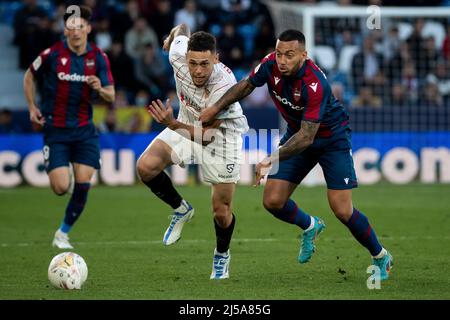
{"x": 296, "y": 144}
{"x": 237, "y": 92}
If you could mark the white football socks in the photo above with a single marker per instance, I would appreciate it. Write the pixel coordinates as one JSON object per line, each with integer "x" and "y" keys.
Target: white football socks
{"x": 183, "y": 208}
{"x": 381, "y": 254}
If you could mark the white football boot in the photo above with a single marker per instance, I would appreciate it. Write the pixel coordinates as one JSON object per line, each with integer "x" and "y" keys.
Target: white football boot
{"x": 183, "y": 214}
{"x": 221, "y": 265}
{"x": 61, "y": 240}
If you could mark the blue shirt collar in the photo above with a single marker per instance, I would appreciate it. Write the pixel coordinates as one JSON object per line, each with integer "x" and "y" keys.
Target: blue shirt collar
{"x": 88, "y": 47}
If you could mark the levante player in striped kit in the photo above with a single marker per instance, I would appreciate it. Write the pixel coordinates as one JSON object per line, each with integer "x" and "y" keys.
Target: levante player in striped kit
{"x": 318, "y": 132}
{"x": 71, "y": 72}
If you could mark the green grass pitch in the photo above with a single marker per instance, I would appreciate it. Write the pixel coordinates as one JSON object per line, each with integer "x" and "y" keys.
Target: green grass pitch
{"x": 120, "y": 237}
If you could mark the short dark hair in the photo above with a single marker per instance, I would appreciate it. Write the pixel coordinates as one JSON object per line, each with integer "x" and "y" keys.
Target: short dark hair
{"x": 85, "y": 13}
{"x": 202, "y": 41}
{"x": 292, "y": 35}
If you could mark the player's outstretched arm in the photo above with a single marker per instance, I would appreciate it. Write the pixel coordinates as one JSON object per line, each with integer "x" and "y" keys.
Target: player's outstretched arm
{"x": 237, "y": 92}
{"x": 179, "y": 30}
{"x": 164, "y": 115}
{"x": 29, "y": 89}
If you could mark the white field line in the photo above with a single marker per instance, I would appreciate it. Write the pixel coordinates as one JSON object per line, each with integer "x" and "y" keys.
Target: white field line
{"x": 159, "y": 242}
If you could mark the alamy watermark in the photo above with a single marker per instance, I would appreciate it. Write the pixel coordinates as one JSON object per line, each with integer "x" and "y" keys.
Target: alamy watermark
{"x": 373, "y": 21}
{"x": 374, "y": 280}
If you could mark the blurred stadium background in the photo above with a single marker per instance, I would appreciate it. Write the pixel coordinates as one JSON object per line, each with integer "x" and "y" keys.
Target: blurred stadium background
{"x": 394, "y": 81}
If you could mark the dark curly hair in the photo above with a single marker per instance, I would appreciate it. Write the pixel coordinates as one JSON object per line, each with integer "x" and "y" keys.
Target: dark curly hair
{"x": 202, "y": 41}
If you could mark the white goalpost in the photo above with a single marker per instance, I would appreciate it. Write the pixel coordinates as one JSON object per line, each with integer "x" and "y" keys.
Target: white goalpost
{"x": 287, "y": 15}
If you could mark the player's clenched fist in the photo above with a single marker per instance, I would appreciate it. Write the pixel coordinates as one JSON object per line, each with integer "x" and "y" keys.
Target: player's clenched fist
{"x": 36, "y": 116}
{"x": 261, "y": 170}
{"x": 94, "y": 82}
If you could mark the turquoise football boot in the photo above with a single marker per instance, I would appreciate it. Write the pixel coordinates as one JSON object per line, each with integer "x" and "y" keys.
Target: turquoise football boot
{"x": 385, "y": 264}
{"x": 308, "y": 247}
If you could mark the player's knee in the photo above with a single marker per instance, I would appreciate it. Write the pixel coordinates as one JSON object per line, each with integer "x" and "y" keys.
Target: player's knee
{"x": 60, "y": 188}
{"x": 222, "y": 213}
{"x": 342, "y": 214}
{"x": 273, "y": 203}
{"x": 145, "y": 169}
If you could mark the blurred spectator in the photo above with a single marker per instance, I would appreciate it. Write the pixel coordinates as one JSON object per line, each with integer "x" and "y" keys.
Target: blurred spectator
{"x": 162, "y": 19}
{"x": 398, "y": 96}
{"x": 98, "y": 11}
{"x": 379, "y": 83}
{"x": 415, "y": 40}
{"x": 391, "y": 43}
{"x": 142, "y": 99}
{"x": 122, "y": 67}
{"x": 431, "y": 97}
{"x": 236, "y": 11}
{"x": 190, "y": 16}
{"x": 146, "y": 7}
{"x": 122, "y": 21}
{"x": 231, "y": 46}
{"x": 335, "y": 32}
{"x": 138, "y": 37}
{"x": 103, "y": 38}
{"x": 109, "y": 123}
{"x": 151, "y": 71}
{"x": 410, "y": 81}
{"x": 366, "y": 64}
{"x": 339, "y": 92}
{"x": 441, "y": 78}
{"x": 7, "y": 125}
{"x": 134, "y": 124}
{"x": 46, "y": 37}
{"x": 58, "y": 20}
{"x": 344, "y": 38}
{"x": 30, "y": 13}
{"x": 446, "y": 44}
{"x": 211, "y": 8}
{"x": 265, "y": 41}
{"x": 399, "y": 60}
{"x": 121, "y": 100}
{"x": 27, "y": 22}
{"x": 366, "y": 98}
{"x": 429, "y": 56}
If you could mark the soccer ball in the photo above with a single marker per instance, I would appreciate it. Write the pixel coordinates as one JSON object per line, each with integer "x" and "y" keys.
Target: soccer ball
{"x": 67, "y": 270}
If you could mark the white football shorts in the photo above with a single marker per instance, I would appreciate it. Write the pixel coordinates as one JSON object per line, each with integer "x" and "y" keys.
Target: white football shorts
{"x": 219, "y": 161}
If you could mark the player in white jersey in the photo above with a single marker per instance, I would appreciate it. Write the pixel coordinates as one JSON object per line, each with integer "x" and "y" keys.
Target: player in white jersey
{"x": 200, "y": 81}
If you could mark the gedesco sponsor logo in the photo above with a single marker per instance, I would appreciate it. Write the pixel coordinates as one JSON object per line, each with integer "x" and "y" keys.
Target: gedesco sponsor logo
{"x": 286, "y": 102}
{"x": 72, "y": 77}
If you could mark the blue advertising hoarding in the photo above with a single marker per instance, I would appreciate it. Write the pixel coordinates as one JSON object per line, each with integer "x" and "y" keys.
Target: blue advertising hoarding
{"x": 398, "y": 157}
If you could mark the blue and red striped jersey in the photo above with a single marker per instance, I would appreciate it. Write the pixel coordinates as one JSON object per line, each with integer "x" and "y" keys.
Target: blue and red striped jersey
{"x": 304, "y": 96}
{"x": 65, "y": 100}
